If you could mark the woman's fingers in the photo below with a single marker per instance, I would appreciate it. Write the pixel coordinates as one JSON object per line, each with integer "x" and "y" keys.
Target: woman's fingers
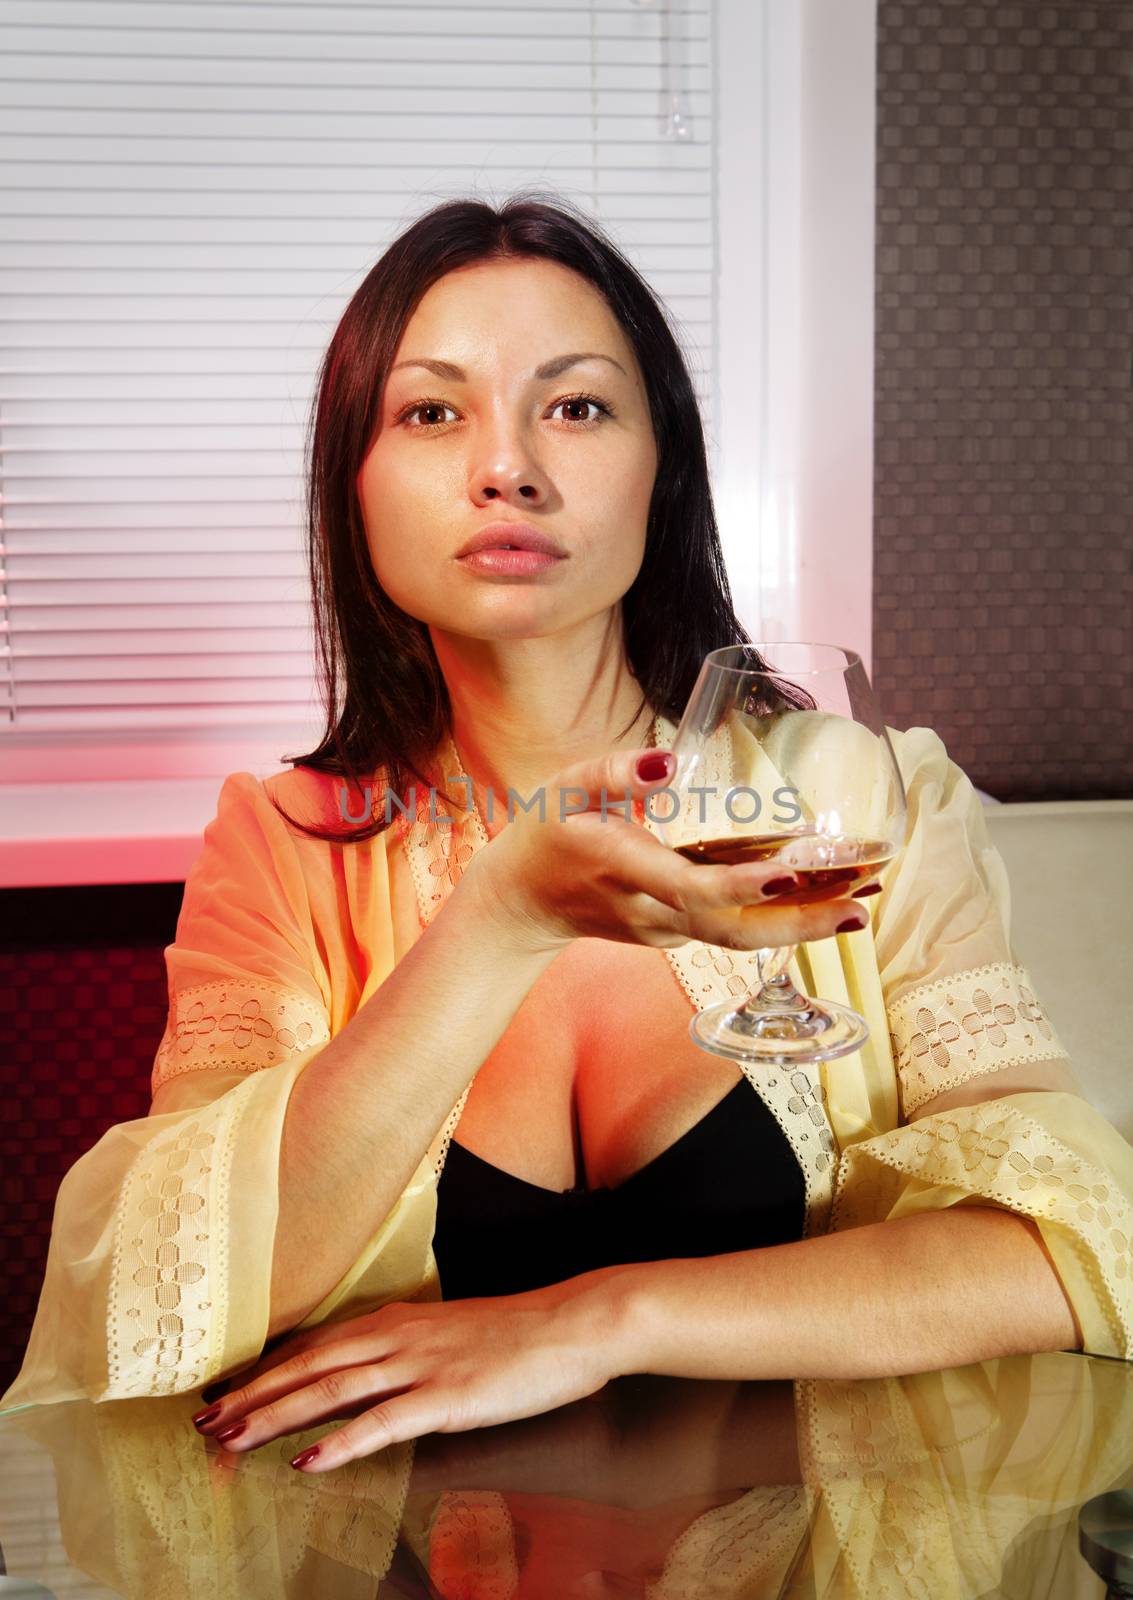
{"x": 307, "y": 1367}
{"x": 342, "y": 1392}
{"x": 288, "y": 1348}
{"x": 643, "y": 863}
{"x": 617, "y": 776}
{"x": 269, "y": 1396}
{"x": 751, "y": 905}
{"x": 776, "y": 926}
{"x": 760, "y": 927}
{"x": 709, "y": 897}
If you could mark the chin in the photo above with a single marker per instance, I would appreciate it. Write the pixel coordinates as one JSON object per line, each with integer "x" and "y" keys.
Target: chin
{"x": 509, "y": 613}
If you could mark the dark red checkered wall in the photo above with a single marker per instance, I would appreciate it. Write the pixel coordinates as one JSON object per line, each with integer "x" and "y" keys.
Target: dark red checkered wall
{"x": 83, "y": 1005}
{"x": 1003, "y": 543}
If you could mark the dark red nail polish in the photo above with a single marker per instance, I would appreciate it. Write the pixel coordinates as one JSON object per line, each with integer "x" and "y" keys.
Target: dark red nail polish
{"x": 866, "y": 888}
{"x": 230, "y": 1433}
{"x": 654, "y": 765}
{"x": 203, "y": 1418}
{"x": 780, "y": 885}
{"x": 850, "y": 925}
{"x": 304, "y": 1456}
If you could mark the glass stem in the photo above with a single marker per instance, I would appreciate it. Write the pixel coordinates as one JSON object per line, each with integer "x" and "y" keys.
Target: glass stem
{"x": 776, "y": 991}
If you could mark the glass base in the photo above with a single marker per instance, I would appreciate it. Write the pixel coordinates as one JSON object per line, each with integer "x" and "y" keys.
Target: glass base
{"x": 814, "y": 1030}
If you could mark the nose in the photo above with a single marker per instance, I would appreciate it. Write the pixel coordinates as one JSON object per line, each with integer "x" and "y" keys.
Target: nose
{"x": 508, "y": 471}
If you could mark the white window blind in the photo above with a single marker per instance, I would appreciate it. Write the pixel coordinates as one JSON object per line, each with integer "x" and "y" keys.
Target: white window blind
{"x": 191, "y": 193}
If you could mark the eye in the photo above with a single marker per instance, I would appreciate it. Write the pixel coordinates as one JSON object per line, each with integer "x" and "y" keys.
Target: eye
{"x": 424, "y": 405}
{"x": 577, "y": 400}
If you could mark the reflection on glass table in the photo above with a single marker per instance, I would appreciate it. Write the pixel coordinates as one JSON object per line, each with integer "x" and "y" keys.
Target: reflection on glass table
{"x": 963, "y": 1483}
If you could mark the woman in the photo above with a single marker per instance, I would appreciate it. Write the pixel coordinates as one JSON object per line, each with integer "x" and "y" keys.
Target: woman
{"x": 943, "y": 1195}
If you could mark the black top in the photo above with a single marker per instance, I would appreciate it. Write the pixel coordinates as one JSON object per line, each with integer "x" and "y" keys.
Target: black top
{"x": 732, "y": 1182}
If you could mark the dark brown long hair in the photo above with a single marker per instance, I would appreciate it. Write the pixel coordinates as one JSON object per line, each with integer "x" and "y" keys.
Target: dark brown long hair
{"x": 387, "y": 705}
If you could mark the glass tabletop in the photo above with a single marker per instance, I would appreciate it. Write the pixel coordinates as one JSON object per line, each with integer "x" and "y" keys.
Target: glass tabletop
{"x": 986, "y": 1480}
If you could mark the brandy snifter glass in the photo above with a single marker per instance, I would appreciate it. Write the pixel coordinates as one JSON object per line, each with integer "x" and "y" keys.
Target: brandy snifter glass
{"x": 782, "y": 755}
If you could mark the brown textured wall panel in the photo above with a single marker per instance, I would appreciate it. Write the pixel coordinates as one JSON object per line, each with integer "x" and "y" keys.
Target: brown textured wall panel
{"x": 1003, "y": 559}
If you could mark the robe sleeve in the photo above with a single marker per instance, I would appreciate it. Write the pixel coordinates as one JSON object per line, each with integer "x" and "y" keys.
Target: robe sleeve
{"x": 159, "y": 1264}
{"x": 966, "y": 1024}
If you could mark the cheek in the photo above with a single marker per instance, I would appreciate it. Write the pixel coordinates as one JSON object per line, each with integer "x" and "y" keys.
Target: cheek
{"x": 389, "y": 506}
{"x": 614, "y": 558}
{"x": 628, "y": 484}
{"x": 395, "y": 555}
{"x": 627, "y": 510}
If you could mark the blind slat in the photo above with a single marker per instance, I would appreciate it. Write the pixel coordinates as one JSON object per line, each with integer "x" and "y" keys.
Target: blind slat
{"x": 55, "y": 209}
{"x": 242, "y": 14}
{"x": 351, "y": 82}
{"x": 93, "y": 593}
{"x": 45, "y": 105}
{"x": 175, "y": 615}
{"x": 172, "y": 263}
{"x": 201, "y": 719}
{"x": 148, "y": 174}
{"x": 45, "y": 569}
{"x": 202, "y": 643}
{"x": 45, "y": 676}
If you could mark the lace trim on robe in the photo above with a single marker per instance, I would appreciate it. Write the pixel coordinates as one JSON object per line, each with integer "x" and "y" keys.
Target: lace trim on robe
{"x": 964, "y": 1025}
{"x": 746, "y": 1546}
{"x": 473, "y": 1533}
{"x": 174, "y": 1207}
{"x": 437, "y": 856}
{"x": 894, "y": 1536}
{"x": 245, "y": 1023}
{"x": 706, "y": 973}
{"x": 437, "y": 851}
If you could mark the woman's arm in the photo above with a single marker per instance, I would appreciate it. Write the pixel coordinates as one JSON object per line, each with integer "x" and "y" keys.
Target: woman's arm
{"x": 914, "y": 1294}
{"x": 362, "y": 1115}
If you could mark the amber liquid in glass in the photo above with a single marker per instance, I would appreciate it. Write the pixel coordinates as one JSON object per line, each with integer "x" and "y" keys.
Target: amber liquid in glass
{"x": 819, "y": 861}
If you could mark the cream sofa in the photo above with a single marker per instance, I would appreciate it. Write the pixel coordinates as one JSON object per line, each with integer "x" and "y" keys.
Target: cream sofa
{"x": 1070, "y": 865}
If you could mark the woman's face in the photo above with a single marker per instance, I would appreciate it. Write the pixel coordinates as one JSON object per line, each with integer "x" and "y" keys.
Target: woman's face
{"x": 569, "y": 453}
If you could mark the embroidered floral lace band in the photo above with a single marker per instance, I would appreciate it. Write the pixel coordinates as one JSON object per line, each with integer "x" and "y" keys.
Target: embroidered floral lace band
{"x": 964, "y": 1025}
{"x": 243, "y": 1025}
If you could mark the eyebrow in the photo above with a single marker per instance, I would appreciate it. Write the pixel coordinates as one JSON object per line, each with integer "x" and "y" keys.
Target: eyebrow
{"x": 550, "y": 369}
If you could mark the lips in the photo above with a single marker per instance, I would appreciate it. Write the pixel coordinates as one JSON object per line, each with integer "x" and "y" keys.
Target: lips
{"x": 511, "y": 536}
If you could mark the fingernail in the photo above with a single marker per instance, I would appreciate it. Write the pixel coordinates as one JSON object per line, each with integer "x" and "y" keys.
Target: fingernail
{"x": 230, "y": 1433}
{"x": 851, "y": 924}
{"x": 779, "y": 885}
{"x": 657, "y": 764}
{"x": 304, "y": 1456}
{"x": 866, "y": 888}
{"x": 203, "y": 1418}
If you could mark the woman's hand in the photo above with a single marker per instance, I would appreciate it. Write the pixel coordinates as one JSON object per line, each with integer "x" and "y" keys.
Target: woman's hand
{"x": 584, "y": 874}
{"x": 409, "y": 1369}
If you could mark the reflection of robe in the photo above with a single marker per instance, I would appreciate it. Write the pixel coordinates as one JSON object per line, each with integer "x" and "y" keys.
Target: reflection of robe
{"x": 954, "y": 1484}
{"x": 159, "y": 1268}
{"x": 951, "y": 1484}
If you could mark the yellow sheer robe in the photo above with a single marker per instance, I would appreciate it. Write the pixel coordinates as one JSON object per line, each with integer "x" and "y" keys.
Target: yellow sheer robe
{"x": 159, "y": 1267}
